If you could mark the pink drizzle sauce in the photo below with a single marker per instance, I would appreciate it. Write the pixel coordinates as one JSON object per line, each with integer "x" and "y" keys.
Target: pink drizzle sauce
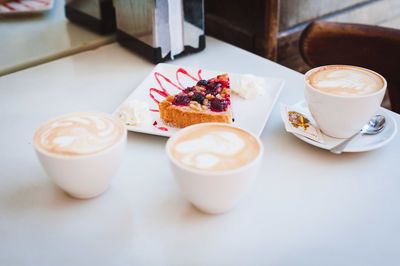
{"x": 183, "y": 71}
{"x": 163, "y": 92}
{"x": 160, "y": 128}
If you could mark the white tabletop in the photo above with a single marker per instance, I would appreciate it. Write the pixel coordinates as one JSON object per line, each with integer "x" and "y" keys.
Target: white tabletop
{"x": 308, "y": 206}
{"x": 29, "y": 40}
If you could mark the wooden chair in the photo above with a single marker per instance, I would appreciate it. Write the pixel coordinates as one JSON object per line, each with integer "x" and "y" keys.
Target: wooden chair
{"x": 372, "y": 47}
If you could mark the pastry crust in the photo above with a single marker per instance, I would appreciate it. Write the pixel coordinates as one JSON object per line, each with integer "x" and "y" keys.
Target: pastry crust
{"x": 183, "y": 116}
{"x": 207, "y": 101}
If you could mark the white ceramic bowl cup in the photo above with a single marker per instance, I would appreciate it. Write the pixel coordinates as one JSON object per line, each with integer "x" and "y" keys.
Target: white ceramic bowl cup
{"x": 213, "y": 191}
{"x": 342, "y": 116}
{"x": 84, "y": 176}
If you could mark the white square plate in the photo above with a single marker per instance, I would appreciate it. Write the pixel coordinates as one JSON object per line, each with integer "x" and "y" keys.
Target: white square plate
{"x": 250, "y": 115}
{"x": 25, "y": 7}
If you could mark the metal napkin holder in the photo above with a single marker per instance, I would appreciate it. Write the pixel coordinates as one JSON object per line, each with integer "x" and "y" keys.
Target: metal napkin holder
{"x": 143, "y": 27}
{"x": 96, "y": 15}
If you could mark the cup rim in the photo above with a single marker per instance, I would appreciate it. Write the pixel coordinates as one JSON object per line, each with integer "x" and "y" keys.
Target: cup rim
{"x": 218, "y": 172}
{"x": 344, "y": 96}
{"x": 80, "y": 156}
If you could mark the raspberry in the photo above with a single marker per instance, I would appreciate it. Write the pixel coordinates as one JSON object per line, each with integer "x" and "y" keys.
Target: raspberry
{"x": 181, "y": 100}
{"x": 211, "y": 91}
{"x": 213, "y": 88}
{"x": 214, "y": 85}
{"x": 218, "y": 105}
{"x": 188, "y": 89}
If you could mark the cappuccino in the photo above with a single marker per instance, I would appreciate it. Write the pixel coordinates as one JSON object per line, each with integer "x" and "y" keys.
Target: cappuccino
{"x": 345, "y": 80}
{"x": 342, "y": 99}
{"x": 214, "y": 164}
{"x": 215, "y": 148}
{"x": 80, "y": 133}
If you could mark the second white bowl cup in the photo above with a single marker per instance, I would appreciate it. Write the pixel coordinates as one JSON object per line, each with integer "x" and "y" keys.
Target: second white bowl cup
{"x": 214, "y": 191}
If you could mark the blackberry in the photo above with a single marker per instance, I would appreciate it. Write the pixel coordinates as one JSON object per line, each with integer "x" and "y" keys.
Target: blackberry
{"x": 181, "y": 100}
{"x": 202, "y": 82}
{"x": 198, "y": 98}
{"x": 218, "y": 105}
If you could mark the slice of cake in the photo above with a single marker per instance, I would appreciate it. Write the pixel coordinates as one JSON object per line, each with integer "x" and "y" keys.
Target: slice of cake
{"x": 207, "y": 101}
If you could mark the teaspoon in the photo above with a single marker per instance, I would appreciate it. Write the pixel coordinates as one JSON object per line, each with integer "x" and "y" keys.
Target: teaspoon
{"x": 374, "y": 126}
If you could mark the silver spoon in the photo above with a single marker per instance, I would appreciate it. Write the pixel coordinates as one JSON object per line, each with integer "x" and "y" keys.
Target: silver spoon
{"x": 374, "y": 126}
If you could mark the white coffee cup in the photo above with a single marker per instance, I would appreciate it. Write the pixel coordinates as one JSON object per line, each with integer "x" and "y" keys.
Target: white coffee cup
{"x": 213, "y": 191}
{"x": 342, "y": 114}
{"x": 83, "y": 175}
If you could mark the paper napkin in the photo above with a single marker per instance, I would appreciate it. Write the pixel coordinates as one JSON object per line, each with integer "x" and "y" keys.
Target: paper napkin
{"x": 175, "y": 19}
{"x": 298, "y": 120}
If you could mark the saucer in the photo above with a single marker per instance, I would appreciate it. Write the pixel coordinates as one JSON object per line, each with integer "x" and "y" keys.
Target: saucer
{"x": 360, "y": 143}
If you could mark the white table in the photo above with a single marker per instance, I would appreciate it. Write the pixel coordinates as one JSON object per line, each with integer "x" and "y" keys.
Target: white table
{"x": 31, "y": 40}
{"x": 308, "y": 206}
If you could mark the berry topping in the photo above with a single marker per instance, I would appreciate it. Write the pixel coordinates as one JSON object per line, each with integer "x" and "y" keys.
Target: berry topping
{"x": 188, "y": 89}
{"x": 213, "y": 88}
{"x": 214, "y": 85}
{"x": 218, "y": 105}
{"x": 211, "y": 92}
{"x": 223, "y": 77}
{"x": 198, "y": 98}
{"x": 202, "y": 82}
{"x": 181, "y": 100}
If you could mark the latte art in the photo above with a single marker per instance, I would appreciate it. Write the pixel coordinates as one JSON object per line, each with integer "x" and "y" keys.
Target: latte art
{"x": 215, "y": 148}
{"x": 345, "y": 80}
{"x": 79, "y": 134}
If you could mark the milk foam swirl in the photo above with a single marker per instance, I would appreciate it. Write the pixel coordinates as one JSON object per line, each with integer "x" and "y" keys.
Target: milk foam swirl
{"x": 79, "y": 133}
{"x": 205, "y": 152}
{"x": 345, "y": 80}
{"x": 215, "y": 148}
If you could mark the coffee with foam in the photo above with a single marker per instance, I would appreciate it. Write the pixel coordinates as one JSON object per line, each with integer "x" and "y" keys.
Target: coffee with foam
{"x": 215, "y": 148}
{"x": 80, "y": 133}
{"x": 345, "y": 80}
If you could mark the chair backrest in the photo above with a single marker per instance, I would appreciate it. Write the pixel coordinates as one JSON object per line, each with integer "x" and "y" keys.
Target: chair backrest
{"x": 373, "y": 47}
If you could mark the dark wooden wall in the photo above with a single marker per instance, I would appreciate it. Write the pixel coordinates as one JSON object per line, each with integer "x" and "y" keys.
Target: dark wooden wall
{"x": 271, "y": 28}
{"x": 249, "y": 24}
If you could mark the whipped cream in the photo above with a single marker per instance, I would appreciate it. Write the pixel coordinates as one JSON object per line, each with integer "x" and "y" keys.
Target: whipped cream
{"x": 135, "y": 113}
{"x": 249, "y": 86}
